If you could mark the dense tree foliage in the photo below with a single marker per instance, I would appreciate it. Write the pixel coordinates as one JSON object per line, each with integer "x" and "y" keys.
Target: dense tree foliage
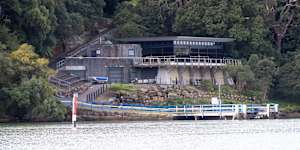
{"x": 25, "y": 93}
{"x": 46, "y": 23}
{"x": 288, "y": 79}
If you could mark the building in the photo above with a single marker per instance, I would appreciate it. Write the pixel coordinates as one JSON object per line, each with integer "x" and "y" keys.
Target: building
{"x": 162, "y": 60}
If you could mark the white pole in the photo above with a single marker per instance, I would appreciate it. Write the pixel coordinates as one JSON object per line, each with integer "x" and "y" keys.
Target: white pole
{"x": 276, "y": 108}
{"x": 74, "y": 109}
{"x": 268, "y": 111}
{"x": 245, "y": 111}
{"x": 236, "y": 111}
{"x": 220, "y": 101}
{"x": 219, "y": 92}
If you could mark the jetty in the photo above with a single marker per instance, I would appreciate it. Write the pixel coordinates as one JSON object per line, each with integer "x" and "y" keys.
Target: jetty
{"x": 196, "y": 112}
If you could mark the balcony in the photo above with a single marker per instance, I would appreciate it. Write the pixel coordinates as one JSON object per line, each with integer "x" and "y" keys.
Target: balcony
{"x": 191, "y": 62}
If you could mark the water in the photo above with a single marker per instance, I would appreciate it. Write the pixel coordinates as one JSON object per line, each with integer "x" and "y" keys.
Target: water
{"x": 165, "y": 135}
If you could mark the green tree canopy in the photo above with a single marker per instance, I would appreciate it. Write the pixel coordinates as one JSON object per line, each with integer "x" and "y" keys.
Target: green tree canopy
{"x": 25, "y": 93}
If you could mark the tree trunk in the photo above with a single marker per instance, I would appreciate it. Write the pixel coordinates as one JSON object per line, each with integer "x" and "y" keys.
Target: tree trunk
{"x": 278, "y": 41}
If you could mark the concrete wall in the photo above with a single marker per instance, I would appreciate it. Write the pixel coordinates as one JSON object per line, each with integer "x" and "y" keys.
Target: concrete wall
{"x": 188, "y": 75}
{"x": 219, "y": 76}
{"x": 163, "y": 75}
{"x": 98, "y": 66}
{"x": 123, "y": 50}
{"x": 167, "y": 75}
{"x": 112, "y": 50}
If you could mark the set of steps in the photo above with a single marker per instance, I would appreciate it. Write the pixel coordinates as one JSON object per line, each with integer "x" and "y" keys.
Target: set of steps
{"x": 65, "y": 80}
{"x": 60, "y": 61}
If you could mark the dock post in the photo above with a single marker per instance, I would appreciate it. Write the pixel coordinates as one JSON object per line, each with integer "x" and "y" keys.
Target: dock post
{"x": 268, "y": 111}
{"x": 276, "y": 108}
{"x": 74, "y": 109}
{"x": 236, "y": 111}
{"x": 245, "y": 111}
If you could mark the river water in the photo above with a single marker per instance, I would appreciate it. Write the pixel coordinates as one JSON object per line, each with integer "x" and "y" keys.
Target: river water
{"x": 161, "y": 135}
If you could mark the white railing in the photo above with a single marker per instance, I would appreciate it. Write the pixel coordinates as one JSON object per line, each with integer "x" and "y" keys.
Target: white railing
{"x": 192, "y": 61}
{"x": 202, "y": 110}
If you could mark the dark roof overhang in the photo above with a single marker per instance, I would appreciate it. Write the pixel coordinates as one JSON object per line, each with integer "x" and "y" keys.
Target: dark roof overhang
{"x": 175, "y": 38}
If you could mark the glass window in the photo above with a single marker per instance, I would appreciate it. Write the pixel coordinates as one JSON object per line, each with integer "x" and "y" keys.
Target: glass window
{"x": 131, "y": 53}
{"x": 98, "y": 52}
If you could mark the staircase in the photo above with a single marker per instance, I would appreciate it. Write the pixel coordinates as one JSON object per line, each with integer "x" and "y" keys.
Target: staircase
{"x": 64, "y": 80}
{"x": 60, "y": 61}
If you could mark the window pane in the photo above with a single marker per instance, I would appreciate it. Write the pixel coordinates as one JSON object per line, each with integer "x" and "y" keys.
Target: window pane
{"x": 131, "y": 52}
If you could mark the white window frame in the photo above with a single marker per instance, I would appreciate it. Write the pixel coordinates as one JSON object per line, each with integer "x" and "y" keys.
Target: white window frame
{"x": 131, "y": 52}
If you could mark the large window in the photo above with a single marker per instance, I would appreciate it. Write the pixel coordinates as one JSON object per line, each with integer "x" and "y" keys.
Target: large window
{"x": 131, "y": 53}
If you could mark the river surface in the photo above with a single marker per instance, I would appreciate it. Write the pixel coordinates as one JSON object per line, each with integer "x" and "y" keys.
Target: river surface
{"x": 161, "y": 135}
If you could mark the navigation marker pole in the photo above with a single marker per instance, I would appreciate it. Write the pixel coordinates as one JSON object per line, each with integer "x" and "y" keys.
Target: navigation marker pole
{"x": 74, "y": 109}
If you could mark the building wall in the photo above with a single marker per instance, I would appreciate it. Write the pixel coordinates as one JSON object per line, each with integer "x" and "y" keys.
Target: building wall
{"x": 163, "y": 75}
{"x": 188, "y": 75}
{"x": 113, "y": 50}
{"x": 99, "y": 66}
{"x": 167, "y": 75}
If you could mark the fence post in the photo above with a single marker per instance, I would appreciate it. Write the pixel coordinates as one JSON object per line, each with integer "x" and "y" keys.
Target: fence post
{"x": 268, "y": 110}
{"x": 245, "y": 111}
{"x": 236, "y": 111}
{"x": 276, "y": 108}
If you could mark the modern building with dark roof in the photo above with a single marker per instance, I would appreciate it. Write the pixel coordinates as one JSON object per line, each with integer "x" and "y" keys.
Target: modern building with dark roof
{"x": 161, "y": 60}
{"x": 181, "y": 46}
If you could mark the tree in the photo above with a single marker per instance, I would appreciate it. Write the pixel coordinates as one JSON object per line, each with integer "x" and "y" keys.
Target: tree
{"x": 24, "y": 88}
{"x": 8, "y": 39}
{"x": 242, "y": 76}
{"x": 128, "y": 23}
{"x": 34, "y": 100}
{"x": 280, "y": 16}
{"x": 264, "y": 72}
{"x": 288, "y": 85}
{"x": 241, "y": 20}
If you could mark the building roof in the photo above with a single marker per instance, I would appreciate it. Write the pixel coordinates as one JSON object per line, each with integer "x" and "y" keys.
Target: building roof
{"x": 176, "y": 38}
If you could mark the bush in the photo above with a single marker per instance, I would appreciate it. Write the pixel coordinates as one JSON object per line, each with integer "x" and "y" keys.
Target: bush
{"x": 121, "y": 89}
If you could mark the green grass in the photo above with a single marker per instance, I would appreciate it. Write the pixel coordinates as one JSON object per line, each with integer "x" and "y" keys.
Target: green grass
{"x": 287, "y": 106}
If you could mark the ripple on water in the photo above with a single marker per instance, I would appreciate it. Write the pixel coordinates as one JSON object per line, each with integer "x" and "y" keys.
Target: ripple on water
{"x": 165, "y": 135}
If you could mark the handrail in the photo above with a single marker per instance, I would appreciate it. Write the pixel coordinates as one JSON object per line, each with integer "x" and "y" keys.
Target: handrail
{"x": 152, "y": 61}
{"x": 184, "y": 109}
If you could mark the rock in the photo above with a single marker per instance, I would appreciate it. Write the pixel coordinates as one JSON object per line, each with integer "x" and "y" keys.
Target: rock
{"x": 173, "y": 95}
{"x": 159, "y": 94}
